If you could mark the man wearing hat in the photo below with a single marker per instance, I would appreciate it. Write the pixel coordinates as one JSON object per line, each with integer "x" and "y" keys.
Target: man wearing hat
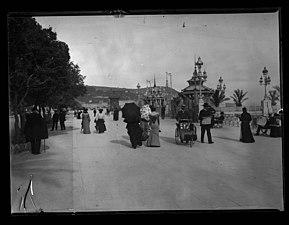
{"x": 205, "y": 118}
{"x": 182, "y": 114}
{"x": 35, "y": 129}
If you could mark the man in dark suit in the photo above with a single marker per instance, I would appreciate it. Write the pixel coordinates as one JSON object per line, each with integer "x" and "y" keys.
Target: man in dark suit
{"x": 35, "y": 129}
{"x": 61, "y": 120}
{"x": 205, "y": 118}
{"x": 55, "y": 119}
{"x": 182, "y": 114}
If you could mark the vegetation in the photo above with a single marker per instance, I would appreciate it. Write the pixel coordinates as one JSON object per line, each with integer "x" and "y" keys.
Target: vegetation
{"x": 239, "y": 97}
{"x": 274, "y": 95}
{"x": 218, "y": 97}
{"x": 40, "y": 70}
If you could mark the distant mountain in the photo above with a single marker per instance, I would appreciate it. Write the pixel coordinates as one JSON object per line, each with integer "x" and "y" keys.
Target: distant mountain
{"x": 94, "y": 93}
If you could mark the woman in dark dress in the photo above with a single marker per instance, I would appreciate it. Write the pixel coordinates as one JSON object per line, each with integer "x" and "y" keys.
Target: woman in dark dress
{"x": 246, "y": 133}
{"x": 131, "y": 114}
{"x": 115, "y": 114}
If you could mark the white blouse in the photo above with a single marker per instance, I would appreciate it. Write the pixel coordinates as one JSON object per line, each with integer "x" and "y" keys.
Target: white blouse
{"x": 100, "y": 115}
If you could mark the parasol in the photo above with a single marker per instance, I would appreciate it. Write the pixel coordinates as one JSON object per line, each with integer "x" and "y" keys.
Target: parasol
{"x": 131, "y": 112}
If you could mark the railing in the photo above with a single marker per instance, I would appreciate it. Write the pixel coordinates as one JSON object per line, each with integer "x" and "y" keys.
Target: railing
{"x": 233, "y": 119}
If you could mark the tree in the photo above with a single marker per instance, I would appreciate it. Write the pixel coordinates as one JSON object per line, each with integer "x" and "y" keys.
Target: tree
{"x": 274, "y": 95}
{"x": 218, "y": 97}
{"x": 40, "y": 71}
{"x": 238, "y": 97}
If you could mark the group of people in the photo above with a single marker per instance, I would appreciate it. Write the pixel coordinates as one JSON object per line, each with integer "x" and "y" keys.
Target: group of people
{"x": 58, "y": 116}
{"x": 143, "y": 126}
{"x": 207, "y": 120}
{"x": 99, "y": 120}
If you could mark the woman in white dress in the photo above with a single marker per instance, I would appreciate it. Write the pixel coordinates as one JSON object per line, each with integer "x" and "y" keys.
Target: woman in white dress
{"x": 100, "y": 122}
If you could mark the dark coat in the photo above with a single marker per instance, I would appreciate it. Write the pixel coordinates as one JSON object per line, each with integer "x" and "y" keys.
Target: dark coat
{"x": 62, "y": 116}
{"x": 35, "y": 127}
{"x": 246, "y": 133}
{"x": 182, "y": 115}
{"x": 205, "y": 113}
{"x": 55, "y": 117}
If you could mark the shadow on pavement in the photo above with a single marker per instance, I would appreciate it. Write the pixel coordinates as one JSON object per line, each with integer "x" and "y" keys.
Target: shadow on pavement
{"x": 125, "y": 137}
{"x": 61, "y": 132}
{"x": 121, "y": 142}
{"x": 226, "y": 138}
{"x": 168, "y": 139}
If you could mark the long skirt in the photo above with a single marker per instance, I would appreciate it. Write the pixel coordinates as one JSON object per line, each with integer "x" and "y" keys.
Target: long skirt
{"x": 246, "y": 135}
{"x": 154, "y": 139}
{"x": 100, "y": 125}
{"x": 135, "y": 134}
{"x": 86, "y": 126}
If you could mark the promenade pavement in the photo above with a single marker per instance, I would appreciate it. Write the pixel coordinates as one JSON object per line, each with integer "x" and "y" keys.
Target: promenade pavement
{"x": 101, "y": 172}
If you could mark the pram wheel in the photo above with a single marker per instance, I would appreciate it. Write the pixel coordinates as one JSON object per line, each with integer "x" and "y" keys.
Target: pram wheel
{"x": 177, "y": 136}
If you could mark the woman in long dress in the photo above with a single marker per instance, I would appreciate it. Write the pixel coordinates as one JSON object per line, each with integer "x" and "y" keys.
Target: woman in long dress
{"x": 85, "y": 122}
{"x": 246, "y": 133}
{"x": 100, "y": 122}
{"x": 144, "y": 121}
{"x": 154, "y": 139}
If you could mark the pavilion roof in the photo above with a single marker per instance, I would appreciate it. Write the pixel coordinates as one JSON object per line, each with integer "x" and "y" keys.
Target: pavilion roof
{"x": 192, "y": 89}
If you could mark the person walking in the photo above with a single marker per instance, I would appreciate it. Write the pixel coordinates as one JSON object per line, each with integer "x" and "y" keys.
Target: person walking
{"x": 100, "y": 122}
{"x": 116, "y": 114}
{"x": 94, "y": 112}
{"x": 55, "y": 119}
{"x": 85, "y": 123}
{"x": 154, "y": 139}
{"x": 205, "y": 118}
{"x": 246, "y": 135}
{"x": 145, "y": 111}
{"x": 131, "y": 114}
{"x": 62, "y": 119}
{"x": 35, "y": 129}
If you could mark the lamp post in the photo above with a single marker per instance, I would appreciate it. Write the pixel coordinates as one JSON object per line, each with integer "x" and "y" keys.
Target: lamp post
{"x": 267, "y": 107}
{"x": 266, "y": 81}
{"x": 138, "y": 87}
{"x": 221, "y": 87}
{"x": 201, "y": 76}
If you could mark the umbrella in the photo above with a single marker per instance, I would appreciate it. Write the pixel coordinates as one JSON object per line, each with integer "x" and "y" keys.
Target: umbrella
{"x": 131, "y": 112}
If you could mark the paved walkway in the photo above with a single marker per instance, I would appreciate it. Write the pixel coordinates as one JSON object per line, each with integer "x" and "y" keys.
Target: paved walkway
{"x": 101, "y": 172}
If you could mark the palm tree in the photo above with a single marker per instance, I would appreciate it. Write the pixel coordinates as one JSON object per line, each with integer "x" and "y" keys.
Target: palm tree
{"x": 238, "y": 97}
{"x": 274, "y": 95}
{"x": 218, "y": 97}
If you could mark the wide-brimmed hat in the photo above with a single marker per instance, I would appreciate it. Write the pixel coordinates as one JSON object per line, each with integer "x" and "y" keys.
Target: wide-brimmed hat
{"x": 206, "y": 104}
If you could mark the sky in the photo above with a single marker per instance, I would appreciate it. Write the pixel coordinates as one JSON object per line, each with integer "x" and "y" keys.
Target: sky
{"x": 125, "y": 51}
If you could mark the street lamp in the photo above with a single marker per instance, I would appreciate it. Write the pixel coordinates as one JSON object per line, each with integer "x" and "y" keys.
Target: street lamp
{"x": 221, "y": 86}
{"x": 201, "y": 76}
{"x": 266, "y": 80}
{"x": 138, "y": 87}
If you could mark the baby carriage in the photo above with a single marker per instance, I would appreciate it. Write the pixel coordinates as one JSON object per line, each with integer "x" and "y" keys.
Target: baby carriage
{"x": 186, "y": 132}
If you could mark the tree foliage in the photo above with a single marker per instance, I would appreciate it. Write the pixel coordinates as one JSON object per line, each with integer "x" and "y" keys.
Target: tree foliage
{"x": 218, "y": 97}
{"x": 40, "y": 71}
{"x": 274, "y": 95}
{"x": 239, "y": 97}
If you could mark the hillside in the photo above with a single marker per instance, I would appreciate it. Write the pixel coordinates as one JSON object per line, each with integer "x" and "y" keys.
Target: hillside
{"x": 103, "y": 92}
